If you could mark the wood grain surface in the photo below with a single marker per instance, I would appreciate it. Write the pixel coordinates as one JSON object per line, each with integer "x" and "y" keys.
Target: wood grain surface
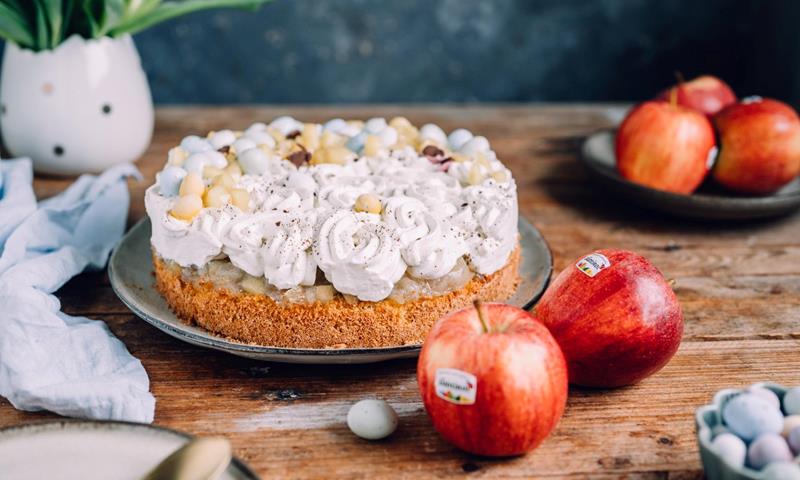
{"x": 739, "y": 284}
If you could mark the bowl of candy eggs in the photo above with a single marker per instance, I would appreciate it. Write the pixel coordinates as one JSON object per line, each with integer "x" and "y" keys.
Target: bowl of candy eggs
{"x": 751, "y": 433}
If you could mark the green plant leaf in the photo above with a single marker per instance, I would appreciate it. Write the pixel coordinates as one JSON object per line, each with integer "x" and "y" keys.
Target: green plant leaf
{"x": 171, "y": 9}
{"x": 51, "y": 9}
{"x": 14, "y": 25}
{"x": 42, "y": 34}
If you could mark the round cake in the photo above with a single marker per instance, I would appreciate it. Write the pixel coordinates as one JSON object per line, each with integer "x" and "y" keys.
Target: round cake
{"x": 347, "y": 234}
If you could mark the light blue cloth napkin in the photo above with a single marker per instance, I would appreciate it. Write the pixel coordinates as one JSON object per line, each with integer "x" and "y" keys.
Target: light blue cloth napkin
{"x": 73, "y": 366}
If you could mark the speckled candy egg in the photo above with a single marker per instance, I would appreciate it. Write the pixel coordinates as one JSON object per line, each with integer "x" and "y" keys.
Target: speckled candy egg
{"x": 791, "y": 402}
{"x": 458, "y": 138}
{"x": 790, "y": 423}
{"x": 169, "y": 180}
{"x": 223, "y": 138}
{"x": 730, "y": 448}
{"x": 766, "y": 394}
{"x": 766, "y": 449}
{"x": 748, "y": 416}
{"x": 372, "y": 419}
{"x": 782, "y": 471}
{"x": 794, "y": 440}
{"x": 195, "y": 144}
{"x": 253, "y": 161}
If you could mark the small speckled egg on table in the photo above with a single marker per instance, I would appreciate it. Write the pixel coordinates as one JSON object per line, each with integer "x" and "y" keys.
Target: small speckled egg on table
{"x": 372, "y": 419}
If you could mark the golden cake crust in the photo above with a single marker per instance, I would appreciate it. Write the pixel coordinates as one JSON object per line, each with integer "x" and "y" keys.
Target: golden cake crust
{"x": 258, "y": 319}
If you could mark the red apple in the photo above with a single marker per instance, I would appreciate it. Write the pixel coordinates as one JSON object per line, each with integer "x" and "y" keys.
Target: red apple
{"x": 706, "y": 94}
{"x": 494, "y": 383}
{"x": 760, "y": 146}
{"x": 615, "y": 317}
{"x": 665, "y": 146}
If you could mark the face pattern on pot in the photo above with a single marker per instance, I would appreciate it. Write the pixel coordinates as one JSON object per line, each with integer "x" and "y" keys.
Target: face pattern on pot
{"x": 82, "y": 107}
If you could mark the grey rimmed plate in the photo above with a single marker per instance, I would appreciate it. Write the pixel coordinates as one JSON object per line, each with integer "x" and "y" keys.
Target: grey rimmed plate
{"x": 130, "y": 271}
{"x": 708, "y": 202}
{"x": 89, "y": 450}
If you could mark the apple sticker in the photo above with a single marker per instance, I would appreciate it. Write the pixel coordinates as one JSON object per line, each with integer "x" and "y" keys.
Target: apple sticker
{"x": 593, "y": 264}
{"x": 456, "y": 386}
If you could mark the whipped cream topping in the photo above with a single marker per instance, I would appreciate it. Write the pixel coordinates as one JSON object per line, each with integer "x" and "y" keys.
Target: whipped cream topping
{"x": 437, "y": 205}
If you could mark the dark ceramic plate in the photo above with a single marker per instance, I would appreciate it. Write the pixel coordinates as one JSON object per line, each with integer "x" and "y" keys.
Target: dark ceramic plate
{"x": 709, "y": 202}
{"x": 130, "y": 271}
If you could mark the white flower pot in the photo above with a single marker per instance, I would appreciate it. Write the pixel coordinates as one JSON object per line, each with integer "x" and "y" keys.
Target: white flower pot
{"x": 81, "y": 107}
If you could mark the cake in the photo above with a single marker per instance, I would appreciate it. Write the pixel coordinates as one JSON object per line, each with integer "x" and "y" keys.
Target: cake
{"x": 347, "y": 234}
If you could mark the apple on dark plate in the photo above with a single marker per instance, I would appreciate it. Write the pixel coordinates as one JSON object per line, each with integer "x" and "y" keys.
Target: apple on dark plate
{"x": 665, "y": 146}
{"x": 760, "y": 146}
{"x": 706, "y": 94}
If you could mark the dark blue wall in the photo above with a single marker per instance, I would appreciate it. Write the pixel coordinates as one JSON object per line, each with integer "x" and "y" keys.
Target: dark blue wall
{"x": 316, "y": 51}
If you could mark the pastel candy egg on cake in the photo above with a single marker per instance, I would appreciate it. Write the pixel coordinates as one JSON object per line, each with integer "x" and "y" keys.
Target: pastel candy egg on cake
{"x": 197, "y": 162}
{"x": 458, "y": 138}
{"x": 749, "y": 415}
{"x": 434, "y": 133}
{"x": 286, "y": 125}
{"x": 254, "y": 161}
{"x": 195, "y": 144}
{"x": 223, "y": 138}
{"x": 169, "y": 180}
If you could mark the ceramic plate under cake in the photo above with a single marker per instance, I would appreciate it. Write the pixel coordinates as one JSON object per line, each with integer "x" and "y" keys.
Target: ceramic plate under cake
{"x": 87, "y": 450}
{"x": 130, "y": 271}
{"x": 708, "y": 202}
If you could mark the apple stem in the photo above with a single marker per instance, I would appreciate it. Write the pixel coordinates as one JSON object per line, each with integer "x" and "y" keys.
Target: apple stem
{"x": 672, "y": 283}
{"x": 479, "y": 308}
{"x": 673, "y": 96}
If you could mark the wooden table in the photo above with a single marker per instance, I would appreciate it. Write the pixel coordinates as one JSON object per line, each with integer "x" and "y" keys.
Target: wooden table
{"x": 739, "y": 284}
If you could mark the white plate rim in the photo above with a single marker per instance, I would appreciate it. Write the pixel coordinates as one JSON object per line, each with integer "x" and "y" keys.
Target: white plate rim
{"x": 33, "y": 428}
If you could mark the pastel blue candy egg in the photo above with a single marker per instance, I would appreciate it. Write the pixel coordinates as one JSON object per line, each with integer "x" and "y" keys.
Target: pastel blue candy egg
{"x": 335, "y": 125}
{"x": 195, "y": 144}
{"x": 259, "y": 137}
{"x": 169, "y": 180}
{"x": 475, "y": 145}
{"x": 782, "y": 471}
{"x": 791, "y": 402}
{"x": 375, "y": 125}
{"x": 243, "y": 144}
{"x": 430, "y": 131}
{"x": 794, "y": 440}
{"x": 748, "y": 416}
{"x": 356, "y": 143}
{"x": 768, "y": 448}
{"x": 766, "y": 394}
{"x": 222, "y": 138}
{"x": 730, "y": 448}
{"x": 253, "y": 161}
{"x": 216, "y": 159}
{"x": 458, "y": 138}
{"x": 286, "y": 125}
{"x": 719, "y": 430}
{"x": 388, "y": 136}
{"x": 196, "y": 162}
